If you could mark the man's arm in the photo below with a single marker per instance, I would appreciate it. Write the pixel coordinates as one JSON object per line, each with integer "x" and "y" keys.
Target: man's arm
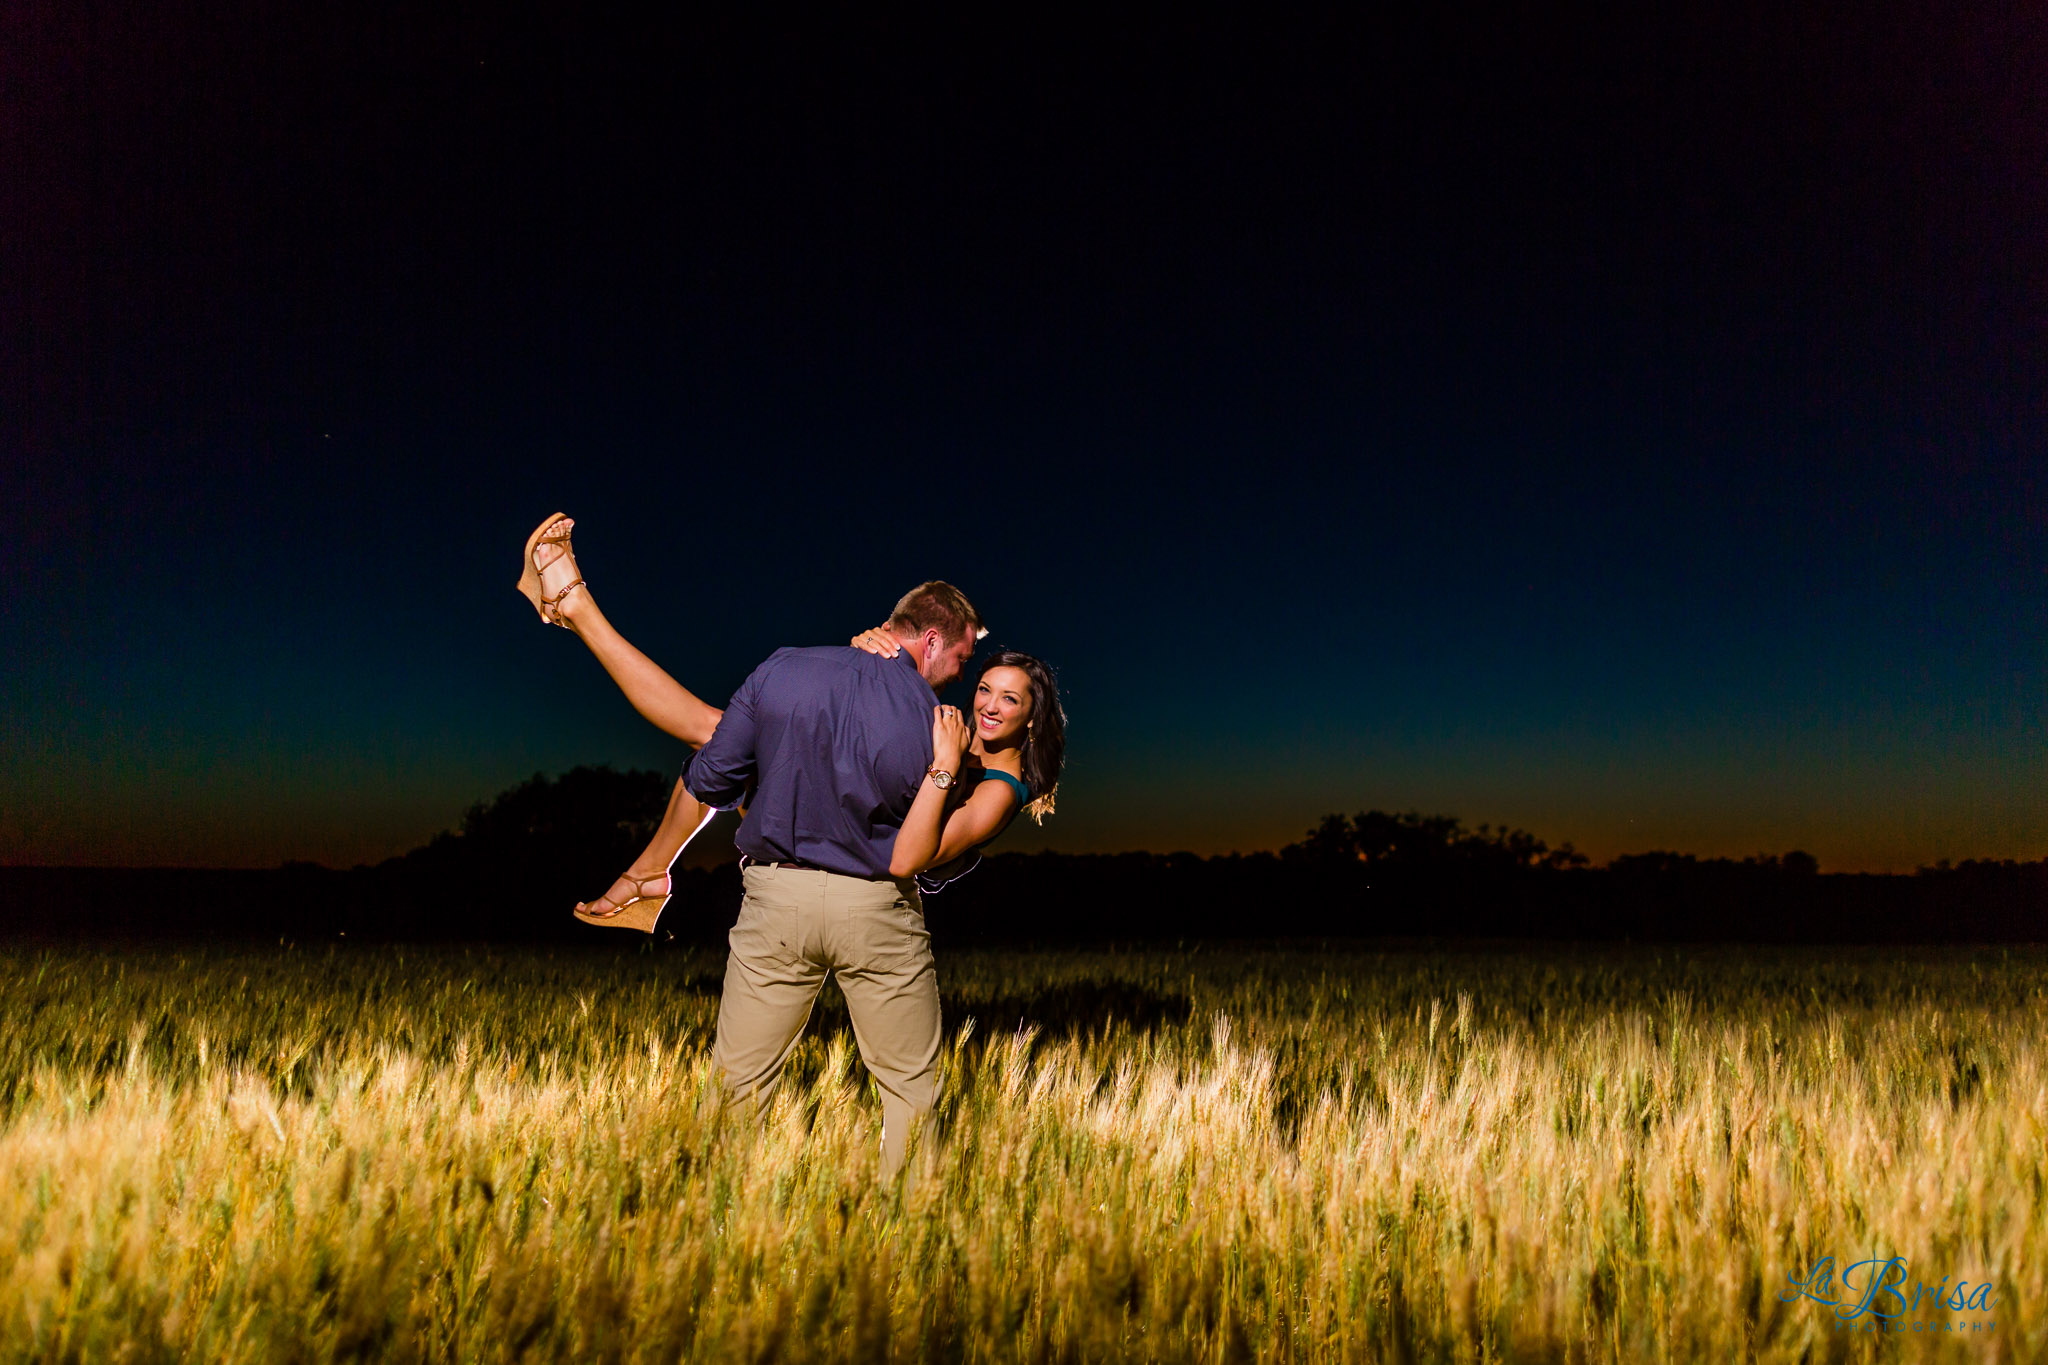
{"x": 724, "y": 768}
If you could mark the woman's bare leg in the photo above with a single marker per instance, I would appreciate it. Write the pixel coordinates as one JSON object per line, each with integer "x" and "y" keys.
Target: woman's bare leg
{"x": 648, "y": 877}
{"x": 672, "y": 707}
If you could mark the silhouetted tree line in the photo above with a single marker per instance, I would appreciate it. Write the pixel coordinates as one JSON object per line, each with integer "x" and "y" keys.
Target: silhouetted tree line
{"x": 516, "y": 864}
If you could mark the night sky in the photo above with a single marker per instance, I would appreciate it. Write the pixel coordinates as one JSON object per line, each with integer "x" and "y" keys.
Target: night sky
{"x": 1627, "y": 427}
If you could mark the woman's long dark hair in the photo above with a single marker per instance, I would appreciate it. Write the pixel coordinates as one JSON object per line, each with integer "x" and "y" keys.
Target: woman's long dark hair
{"x": 1045, "y": 743}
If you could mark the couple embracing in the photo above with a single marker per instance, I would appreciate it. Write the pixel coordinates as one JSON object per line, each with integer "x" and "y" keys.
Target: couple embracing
{"x": 859, "y": 791}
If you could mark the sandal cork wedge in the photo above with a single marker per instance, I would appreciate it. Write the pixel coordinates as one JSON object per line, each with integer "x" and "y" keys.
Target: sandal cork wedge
{"x": 638, "y": 911}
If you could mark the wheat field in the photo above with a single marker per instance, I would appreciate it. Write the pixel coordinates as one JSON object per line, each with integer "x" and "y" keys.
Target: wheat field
{"x": 294, "y": 1154}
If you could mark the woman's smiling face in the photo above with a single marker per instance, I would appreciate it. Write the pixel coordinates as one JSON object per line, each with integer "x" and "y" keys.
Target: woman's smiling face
{"x": 1002, "y": 706}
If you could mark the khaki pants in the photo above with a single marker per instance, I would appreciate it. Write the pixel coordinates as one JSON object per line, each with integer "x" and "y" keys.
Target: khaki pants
{"x": 797, "y": 924}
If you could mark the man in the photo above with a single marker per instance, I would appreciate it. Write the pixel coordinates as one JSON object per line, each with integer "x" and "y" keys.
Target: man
{"x": 834, "y": 743}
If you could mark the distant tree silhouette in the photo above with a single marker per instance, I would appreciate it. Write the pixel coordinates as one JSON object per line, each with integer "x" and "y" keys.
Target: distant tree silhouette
{"x": 588, "y": 804}
{"x": 1413, "y": 841}
{"x": 1665, "y": 864}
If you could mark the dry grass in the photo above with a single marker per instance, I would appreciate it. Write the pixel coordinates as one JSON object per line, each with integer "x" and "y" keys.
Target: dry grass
{"x": 284, "y": 1155}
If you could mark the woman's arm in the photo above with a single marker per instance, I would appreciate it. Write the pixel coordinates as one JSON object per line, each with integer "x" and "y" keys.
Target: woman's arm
{"x": 929, "y": 836}
{"x": 974, "y": 823}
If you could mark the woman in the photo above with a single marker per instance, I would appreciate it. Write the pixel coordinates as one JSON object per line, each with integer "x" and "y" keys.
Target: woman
{"x": 1007, "y": 760}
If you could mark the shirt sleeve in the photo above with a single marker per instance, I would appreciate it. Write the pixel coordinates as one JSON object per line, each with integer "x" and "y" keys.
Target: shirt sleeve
{"x": 724, "y": 768}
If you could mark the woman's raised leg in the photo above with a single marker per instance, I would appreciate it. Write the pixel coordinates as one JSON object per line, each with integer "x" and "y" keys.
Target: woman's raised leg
{"x": 567, "y": 600}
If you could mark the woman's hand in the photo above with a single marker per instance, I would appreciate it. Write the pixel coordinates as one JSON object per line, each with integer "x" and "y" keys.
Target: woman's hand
{"x": 950, "y": 737}
{"x": 878, "y": 641}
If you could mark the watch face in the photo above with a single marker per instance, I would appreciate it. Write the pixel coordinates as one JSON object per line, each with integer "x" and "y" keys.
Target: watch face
{"x": 942, "y": 780}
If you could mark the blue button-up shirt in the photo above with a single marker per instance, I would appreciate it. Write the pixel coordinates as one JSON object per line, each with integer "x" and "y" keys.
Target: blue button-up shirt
{"x": 834, "y": 741}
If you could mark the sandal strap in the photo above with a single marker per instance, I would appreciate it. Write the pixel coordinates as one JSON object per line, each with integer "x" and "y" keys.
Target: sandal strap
{"x": 551, "y": 607}
{"x": 567, "y": 550}
{"x": 639, "y": 891}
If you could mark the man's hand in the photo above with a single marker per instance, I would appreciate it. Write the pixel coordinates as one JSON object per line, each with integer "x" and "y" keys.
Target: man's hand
{"x": 878, "y": 641}
{"x": 950, "y": 737}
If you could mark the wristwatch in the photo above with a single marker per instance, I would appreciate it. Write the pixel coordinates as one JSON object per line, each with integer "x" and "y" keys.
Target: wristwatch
{"x": 939, "y": 776}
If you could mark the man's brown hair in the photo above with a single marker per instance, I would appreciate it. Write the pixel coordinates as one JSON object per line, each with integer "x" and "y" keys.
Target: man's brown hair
{"x": 937, "y": 606}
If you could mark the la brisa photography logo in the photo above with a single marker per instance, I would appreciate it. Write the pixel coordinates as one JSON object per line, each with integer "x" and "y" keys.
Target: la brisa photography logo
{"x": 1879, "y": 1295}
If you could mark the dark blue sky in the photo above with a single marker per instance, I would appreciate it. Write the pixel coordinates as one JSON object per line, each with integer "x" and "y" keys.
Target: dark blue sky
{"x": 1628, "y": 429}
